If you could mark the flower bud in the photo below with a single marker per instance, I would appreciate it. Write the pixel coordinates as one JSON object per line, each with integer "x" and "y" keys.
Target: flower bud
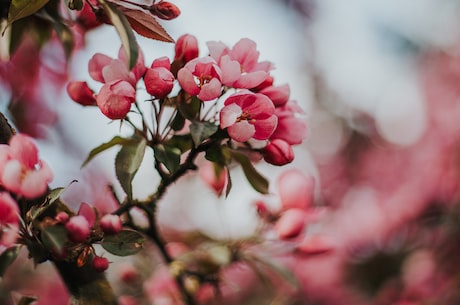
{"x": 278, "y": 152}
{"x": 165, "y": 10}
{"x": 81, "y": 93}
{"x": 186, "y": 48}
{"x": 100, "y": 264}
{"x": 62, "y": 217}
{"x": 290, "y": 224}
{"x": 158, "y": 79}
{"x": 110, "y": 224}
{"x": 78, "y": 228}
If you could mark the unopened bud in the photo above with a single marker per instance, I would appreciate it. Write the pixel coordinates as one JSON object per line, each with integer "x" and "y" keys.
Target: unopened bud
{"x": 78, "y": 228}
{"x": 186, "y": 48}
{"x": 100, "y": 264}
{"x": 110, "y": 224}
{"x": 165, "y": 10}
{"x": 81, "y": 93}
{"x": 278, "y": 152}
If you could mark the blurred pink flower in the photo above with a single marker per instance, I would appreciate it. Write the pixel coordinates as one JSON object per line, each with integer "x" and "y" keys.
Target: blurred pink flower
{"x": 110, "y": 224}
{"x": 81, "y": 93}
{"x": 291, "y": 128}
{"x": 21, "y": 171}
{"x": 279, "y": 94}
{"x": 248, "y": 115}
{"x": 78, "y": 228}
{"x": 214, "y": 178}
{"x": 201, "y": 77}
{"x": 9, "y": 220}
{"x": 278, "y": 152}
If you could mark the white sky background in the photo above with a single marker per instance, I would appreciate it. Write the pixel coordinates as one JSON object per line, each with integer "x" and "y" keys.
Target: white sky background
{"x": 358, "y": 46}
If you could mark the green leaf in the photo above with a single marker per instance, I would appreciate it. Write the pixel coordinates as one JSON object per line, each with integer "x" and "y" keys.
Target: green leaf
{"x": 75, "y": 4}
{"x": 65, "y": 36}
{"x": 183, "y": 142}
{"x": 229, "y": 184}
{"x": 215, "y": 154}
{"x": 124, "y": 30}
{"x": 258, "y": 182}
{"x": 190, "y": 109}
{"x": 127, "y": 162}
{"x": 54, "y": 238}
{"x": 23, "y": 8}
{"x": 52, "y": 196}
{"x": 169, "y": 156}
{"x": 178, "y": 122}
{"x": 7, "y": 258}
{"x": 104, "y": 146}
{"x": 201, "y": 131}
{"x": 124, "y": 243}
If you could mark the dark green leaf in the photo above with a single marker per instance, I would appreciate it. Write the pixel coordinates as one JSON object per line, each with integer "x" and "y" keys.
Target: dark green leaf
{"x": 124, "y": 30}
{"x": 214, "y": 154}
{"x": 127, "y": 162}
{"x": 201, "y": 131}
{"x": 183, "y": 142}
{"x": 104, "y": 146}
{"x": 65, "y": 36}
{"x": 168, "y": 156}
{"x": 75, "y": 4}
{"x": 23, "y": 8}
{"x": 178, "y": 122}
{"x": 190, "y": 109}
{"x": 7, "y": 258}
{"x": 258, "y": 182}
{"x": 124, "y": 243}
{"x": 27, "y": 300}
{"x": 54, "y": 238}
{"x": 229, "y": 183}
{"x": 52, "y": 196}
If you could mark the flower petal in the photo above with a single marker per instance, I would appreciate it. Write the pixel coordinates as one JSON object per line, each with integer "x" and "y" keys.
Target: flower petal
{"x": 241, "y": 131}
{"x": 95, "y": 65}
{"x": 229, "y": 114}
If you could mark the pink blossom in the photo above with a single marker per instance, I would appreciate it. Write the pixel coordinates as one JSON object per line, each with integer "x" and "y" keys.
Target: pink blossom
{"x": 115, "y": 99}
{"x": 248, "y": 115}
{"x": 214, "y": 177}
{"x": 239, "y": 65}
{"x": 201, "y": 77}
{"x": 9, "y": 220}
{"x": 78, "y": 228}
{"x": 291, "y": 128}
{"x": 81, "y": 93}
{"x": 100, "y": 264}
{"x": 158, "y": 79}
{"x": 295, "y": 190}
{"x": 278, "y": 152}
{"x": 110, "y": 224}
{"x": 21, "y": 171}
{"x": 89, "y": 212}
{"x": 291, "y": 223}
{"x": 186, "y": 48}
{"x": 279, "y": 94}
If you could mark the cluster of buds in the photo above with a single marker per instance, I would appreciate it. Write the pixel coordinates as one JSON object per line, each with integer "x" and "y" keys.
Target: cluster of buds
{"x": 249, "y": 108}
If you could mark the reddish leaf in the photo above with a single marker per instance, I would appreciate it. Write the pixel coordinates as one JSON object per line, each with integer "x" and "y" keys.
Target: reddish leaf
{"x": 145, "y": 24}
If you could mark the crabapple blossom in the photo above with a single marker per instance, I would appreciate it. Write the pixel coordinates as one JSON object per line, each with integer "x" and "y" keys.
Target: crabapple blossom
{"x": 158, "y": 79}
{"x": 186, "y": 48}
{"x": 239, "y": 65}
{"x": 278, "y": 152}
{"x": 21, "y": 171}
{"x": 78, "y": 228}
{"x": 110, "y": 224}
{"x": 81, "y": 93}
{"x": 9, "y": 220}
{"x": 290, "y": 128}
{"x": 201, "y": 77}
{"x": 248, "y": 115}
{"x": 278, "y": 94}
{"x": 115, "y": 99}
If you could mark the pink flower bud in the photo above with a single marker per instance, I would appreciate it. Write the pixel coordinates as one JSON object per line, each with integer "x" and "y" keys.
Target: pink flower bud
{"x": 186, "y": 48}
{"x": 78, "y": 228}
{"x": 290, "y": 224}
{"x": 62, "y": 217}
{"x": 278, "y": 152}
{"x": 165, "y": 10}
{"x": 81, "y": 93}
{"x": 100, "y": 264}
{"x": 158, "y": 79}
{"x": 115, "y": 99}
{"x": 110, "y": 224}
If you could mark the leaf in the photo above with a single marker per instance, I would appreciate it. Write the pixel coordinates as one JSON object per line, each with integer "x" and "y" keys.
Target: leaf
{"x": 124, "y": 30}
{"x": 178, "y": 122}
{"x": 145, "y": 24}
{"x": 229, "y": 184}
{"x": 168, "y": 156}
{"x": 127, "y": 162}
{"x": 258, "y": 182}
{"x": 183, "y": 142}
{"x": 23, "y": 8}
{"x": 54, "y": 238}
{"x": 104, "y": 146}
{"x": 8, "y": 257}
{"x": 27, "y": 300}
{"x": 52, "y": 196}
{"x": 65, "y": 36}
{"x": 269, "y": 263}
{"x": 201, "y": 131}
{"x": 190, "y": 109}
{"x": 124, "y": 243}
{"x": 75, "y": 5}
{"x": 215, "y": 154}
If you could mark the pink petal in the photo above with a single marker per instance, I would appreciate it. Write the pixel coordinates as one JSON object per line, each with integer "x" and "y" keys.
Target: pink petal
{"x": 315, "y": 244}
{"x": 211, "y": 90}
{"x": 116, "y": 70}
{"x": 250, "y": 80}
{"x": 187, "y": 81}
{"x": 33, "y": 185}
{"x": 295, "y": 189}
{"x": 123, "y": 88}
{"x": 95, "y": 65}
{"x": 245, "y": 52}
{"x": 290, "y": 224}
{"x": 291, "y": 129}
{"x": 9, "y": 210}
{"x": 217, "y": 49}
{"x": 231, "y": 70}
{"x": 261, "y": 108}
{"x": 23, "y": 149}
{"x": 88, "y": 212}
{"x": 229, "y": 114}
{"x": 264, "y": 128}
{"x": 279, "y": 95}
{"x": 241, "y": 131}
{"x": 11, "y": 176}
{"x": 162, "y": 62}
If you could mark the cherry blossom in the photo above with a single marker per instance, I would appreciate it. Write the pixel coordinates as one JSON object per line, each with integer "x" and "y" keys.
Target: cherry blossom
{"x": 240, "y": 66}
{"x": 291, "y": 128}
{"x": 115, "y": 99}
{"x": 201, "y": 77}
{"x": 186, "y": 48}
{"x": 21, "y": 171}
{"x": 248, "y": 115}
